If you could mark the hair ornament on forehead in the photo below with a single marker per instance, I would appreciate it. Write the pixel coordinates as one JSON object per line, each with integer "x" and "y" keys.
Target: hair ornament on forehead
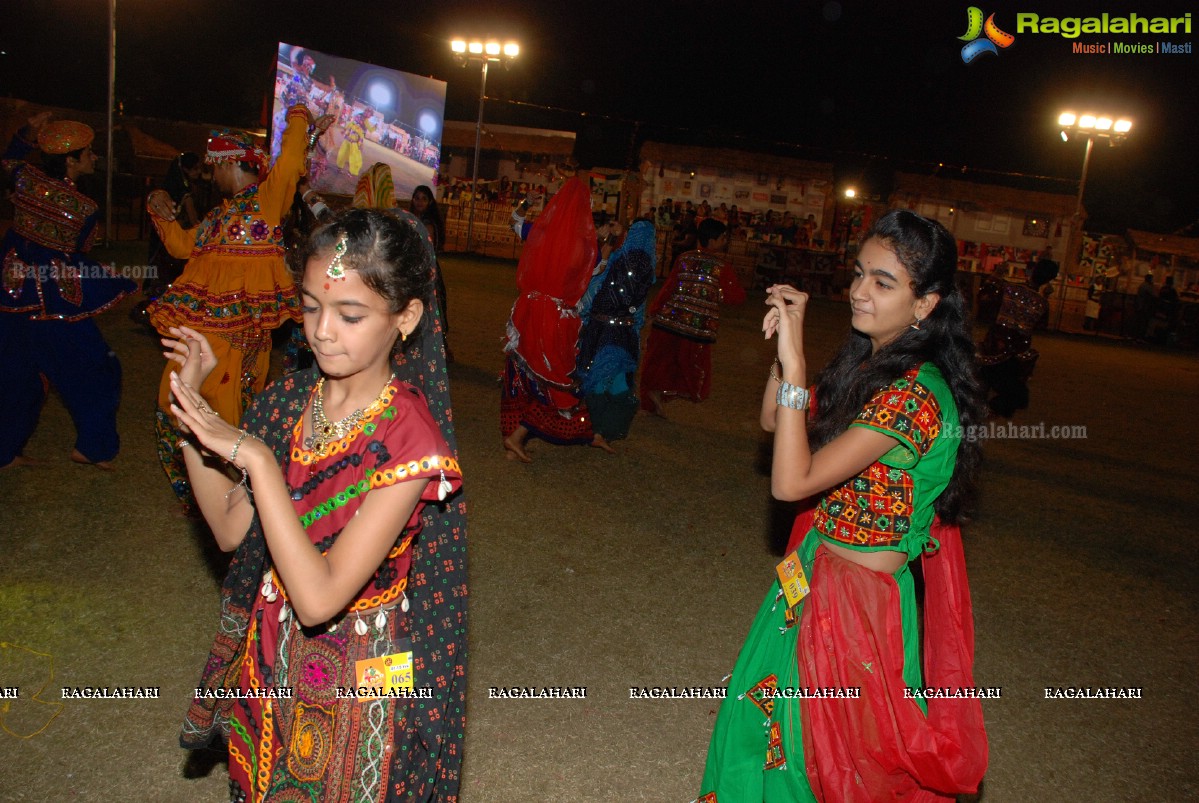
{"x": 336, "y": 270}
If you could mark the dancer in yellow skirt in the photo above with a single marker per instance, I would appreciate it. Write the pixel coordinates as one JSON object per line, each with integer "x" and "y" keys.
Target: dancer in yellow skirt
{"x": 235, "y": 288}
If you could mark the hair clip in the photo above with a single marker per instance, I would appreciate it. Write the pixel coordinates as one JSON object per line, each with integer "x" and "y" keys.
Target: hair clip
{"x": 336, "y": 270}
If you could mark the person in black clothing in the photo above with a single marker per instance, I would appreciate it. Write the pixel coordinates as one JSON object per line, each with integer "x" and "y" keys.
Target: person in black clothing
{"x": 425, "y": 209}
{"x": 1168, "y": 305}
{"x": 1146, "y": 303}
{"x": 179, "y": 182}
{"x": 685, "y": 238}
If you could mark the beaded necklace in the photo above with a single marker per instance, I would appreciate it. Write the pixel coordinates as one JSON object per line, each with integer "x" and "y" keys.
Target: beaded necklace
{"x": 324, "y": 431}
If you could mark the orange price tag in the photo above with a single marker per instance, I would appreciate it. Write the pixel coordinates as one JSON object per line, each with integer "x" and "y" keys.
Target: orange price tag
{"x": 792, "y": 579}
{"x": 384, "y": 676}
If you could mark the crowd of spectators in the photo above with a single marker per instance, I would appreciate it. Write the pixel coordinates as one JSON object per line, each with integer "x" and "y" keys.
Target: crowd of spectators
{"x": 769, "y": 226}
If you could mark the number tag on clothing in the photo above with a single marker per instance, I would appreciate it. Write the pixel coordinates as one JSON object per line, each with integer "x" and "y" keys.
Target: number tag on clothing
{"x": 385, "y": 676}
{"x": 792, "y": 579}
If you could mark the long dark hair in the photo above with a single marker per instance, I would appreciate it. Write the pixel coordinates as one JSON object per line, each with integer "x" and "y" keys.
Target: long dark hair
{"x": 928, "y": 251}
{"x": 432, "y": 217}
{"x": 388, "y": 250}
{"x": 176, "y": 182}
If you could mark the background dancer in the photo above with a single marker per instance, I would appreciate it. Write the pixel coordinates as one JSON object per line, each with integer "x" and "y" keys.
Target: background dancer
{"x": 424, "y": 206}
{"x": 49, "y": 294}
{"x": 235, "y": 287}
{"x": 685, "y": 319}
{"x": 539, "y": 394}
{"x": 610, "y": 343}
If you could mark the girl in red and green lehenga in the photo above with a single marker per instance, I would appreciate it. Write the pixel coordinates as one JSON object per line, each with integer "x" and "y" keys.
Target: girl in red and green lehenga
{"x": 830, "y": 699}
{"x": 235, "y": 287}
{"x": 339, "y": 670}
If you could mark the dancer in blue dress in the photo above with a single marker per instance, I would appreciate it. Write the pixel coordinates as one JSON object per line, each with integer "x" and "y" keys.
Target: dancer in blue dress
{"x": 49, "y": 293}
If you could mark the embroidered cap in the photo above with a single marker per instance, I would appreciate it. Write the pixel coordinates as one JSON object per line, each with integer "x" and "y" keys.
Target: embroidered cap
{"x": 64, "y": 136}
{"x": 230, "y": 146}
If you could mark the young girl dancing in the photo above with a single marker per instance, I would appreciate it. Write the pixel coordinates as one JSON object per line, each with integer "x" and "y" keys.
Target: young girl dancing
{"x": 338, "y": 673}
{"x": 828, "y": 700}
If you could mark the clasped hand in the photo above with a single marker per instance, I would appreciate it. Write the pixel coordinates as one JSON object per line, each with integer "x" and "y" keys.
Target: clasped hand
{"x": 785, "y": 318}
{"x": 202, "y": 422}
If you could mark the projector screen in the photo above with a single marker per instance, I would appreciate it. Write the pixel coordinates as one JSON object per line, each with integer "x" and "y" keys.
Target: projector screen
{"x": 382, "y": 115}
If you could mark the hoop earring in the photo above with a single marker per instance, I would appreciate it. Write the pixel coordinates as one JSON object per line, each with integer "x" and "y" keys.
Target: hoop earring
{"x": 915, "y": 325}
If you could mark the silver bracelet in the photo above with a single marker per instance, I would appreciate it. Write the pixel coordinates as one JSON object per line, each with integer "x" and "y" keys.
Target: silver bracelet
{"x": 236, "y": 446}
{"x": 245, "y": 476}
{"x": 792, "y": 396}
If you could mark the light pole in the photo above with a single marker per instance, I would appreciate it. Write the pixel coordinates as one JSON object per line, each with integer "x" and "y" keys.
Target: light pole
{"x": 109, "y": 237}
{"x": 1090, "y": 125}
{"x": 851, "y": 195}
{"x": 854, "y": 199}
{"x": 485, "y": 54}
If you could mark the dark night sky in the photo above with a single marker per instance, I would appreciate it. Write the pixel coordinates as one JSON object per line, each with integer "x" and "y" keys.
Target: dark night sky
{"x": 867, "y": 86}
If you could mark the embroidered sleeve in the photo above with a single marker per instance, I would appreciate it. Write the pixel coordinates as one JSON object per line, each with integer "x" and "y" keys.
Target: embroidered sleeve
{"x": 907, "y": 411}
{"x": 411, "y": 447}
{"x": 178, "y": 241}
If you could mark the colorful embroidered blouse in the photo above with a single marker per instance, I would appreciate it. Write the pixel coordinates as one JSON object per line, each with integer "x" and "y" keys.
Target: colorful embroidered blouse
{"x": 316, "y": 738}
{"x": 890, "y": 504}
{"x": 43, "y": 270}
{"x": 354, "y": 132}
{"x": 689, "y": 304}
{"x": 53, "y": 213}
{"x": 402, "y": 443}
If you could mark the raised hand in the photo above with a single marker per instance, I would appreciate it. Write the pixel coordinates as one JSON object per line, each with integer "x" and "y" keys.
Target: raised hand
{"x": 193, "y": 352}
{"x": 785, "y": 318}
{"x": 160, "y": 205}
{"x": 38, "y": 121}
{"x": 322, "y": 123}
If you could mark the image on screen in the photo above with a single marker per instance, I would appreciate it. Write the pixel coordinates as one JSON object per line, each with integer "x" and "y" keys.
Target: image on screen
{"x": 381, "y": 115}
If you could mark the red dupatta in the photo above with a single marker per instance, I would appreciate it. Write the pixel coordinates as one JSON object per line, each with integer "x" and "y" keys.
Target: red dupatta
{"x": 554, "y": 271}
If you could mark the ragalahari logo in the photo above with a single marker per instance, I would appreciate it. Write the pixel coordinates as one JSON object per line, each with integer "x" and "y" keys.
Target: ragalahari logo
{"x": 975, "y": 46}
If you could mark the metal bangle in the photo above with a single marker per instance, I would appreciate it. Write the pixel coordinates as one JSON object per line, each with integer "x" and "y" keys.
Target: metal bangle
{"x": 792, "y": 396}
{"x": 776, "y": 370}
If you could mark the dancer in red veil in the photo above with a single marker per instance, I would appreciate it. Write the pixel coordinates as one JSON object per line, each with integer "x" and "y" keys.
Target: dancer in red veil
{"x": 539, "y": 386}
